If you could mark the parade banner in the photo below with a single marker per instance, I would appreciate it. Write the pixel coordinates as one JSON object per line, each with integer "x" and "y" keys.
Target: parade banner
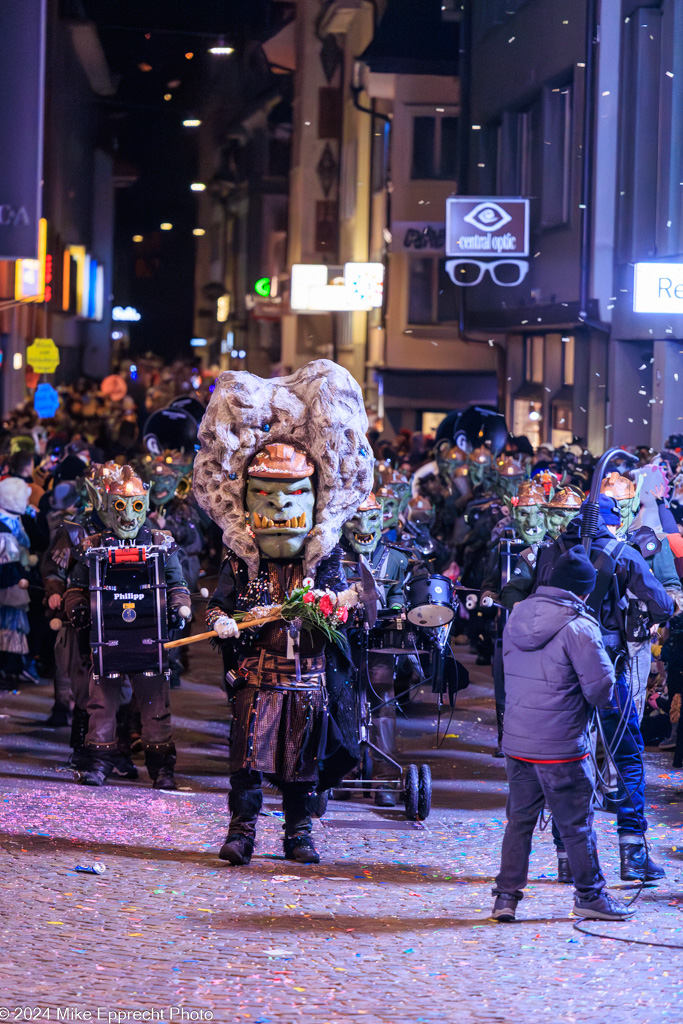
{"x": 22, "y": 72}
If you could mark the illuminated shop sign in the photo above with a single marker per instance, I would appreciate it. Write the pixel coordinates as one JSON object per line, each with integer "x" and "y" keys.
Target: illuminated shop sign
{"x": 353, "y": 287}
{"x": 658, "y": 288}
{"x": 129, "y": 313}
{"x": 486, "y": 226}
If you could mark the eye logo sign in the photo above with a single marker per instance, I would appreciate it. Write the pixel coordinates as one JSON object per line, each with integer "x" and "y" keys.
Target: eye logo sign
{"x": 487, "y": 227}
{"x": 487, "y": 216}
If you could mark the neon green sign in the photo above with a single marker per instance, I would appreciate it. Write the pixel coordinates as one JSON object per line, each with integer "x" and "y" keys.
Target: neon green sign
{"x": 262, "y": 287}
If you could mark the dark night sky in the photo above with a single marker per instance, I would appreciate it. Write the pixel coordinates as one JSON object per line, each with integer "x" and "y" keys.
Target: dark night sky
{"x": 146, "y": 134}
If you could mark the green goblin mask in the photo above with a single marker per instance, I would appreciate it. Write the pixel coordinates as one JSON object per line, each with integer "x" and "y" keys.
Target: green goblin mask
{"x": 508, "y": 476}
{"x": 389, "y": 477}
{"x": 364, "y": 529}
{"x": 123, "y": 499}
{"x": 391, "y": 507}
{"x": 451, "y": 460}
{"x": 280, "y": 500}
{"x": 480, "y": 467}
{"x": 562, "y": 508}
{"x": 626, "y": 493}
{"x": 527, "y": 510}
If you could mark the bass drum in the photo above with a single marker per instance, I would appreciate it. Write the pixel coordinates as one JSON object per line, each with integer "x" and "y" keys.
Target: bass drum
{"x": 430, "y": 601}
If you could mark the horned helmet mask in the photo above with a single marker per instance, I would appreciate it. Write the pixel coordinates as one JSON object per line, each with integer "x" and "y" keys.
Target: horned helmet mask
{"x": 123, "y": 500}
{"x": 564, "y": 506}
{"x": 280, "y": 500}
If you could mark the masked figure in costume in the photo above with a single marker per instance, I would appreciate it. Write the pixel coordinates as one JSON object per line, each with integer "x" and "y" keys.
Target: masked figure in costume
{"x": 127, "y": 585}
{"x": 283, "y": 464}
{"x": 362, "y": 538}
{"x": 172, "y": 509}
{"x": 15, "y": 558}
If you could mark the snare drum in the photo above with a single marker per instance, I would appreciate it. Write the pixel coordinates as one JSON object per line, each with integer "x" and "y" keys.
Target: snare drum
{"x": 430, "y": 601}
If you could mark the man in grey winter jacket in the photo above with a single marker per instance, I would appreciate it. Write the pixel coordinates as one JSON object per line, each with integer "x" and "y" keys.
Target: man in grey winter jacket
{"x": 556, "y": 672}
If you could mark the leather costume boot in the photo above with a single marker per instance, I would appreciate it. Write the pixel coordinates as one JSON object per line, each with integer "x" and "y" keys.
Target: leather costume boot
{"x": 301, "y": 849}
{"x": 98, "y": 763}
{"x": 79, "y": 730}
{"x": 637, "y": 865}
{"x": 59, "y": 716}
{"x": 298, "y": 825}
{"x": 160, "y": 759}
{"x": 564, "y": 871}
{"x": 237, "y": 849}
{"x": 500, "y": 715}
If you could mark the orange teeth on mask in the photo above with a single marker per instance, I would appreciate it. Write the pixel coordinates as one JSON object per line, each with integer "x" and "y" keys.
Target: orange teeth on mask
{"x": 264, "y": 523}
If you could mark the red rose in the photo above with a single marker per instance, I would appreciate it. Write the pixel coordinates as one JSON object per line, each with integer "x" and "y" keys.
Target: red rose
{"x": 343, "y": 613}
{"x": 308, "y": 597}
{"x": 326, "y": 606}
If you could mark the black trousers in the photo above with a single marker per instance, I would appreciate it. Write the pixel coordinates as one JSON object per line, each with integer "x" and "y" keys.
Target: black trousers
{"x": 245, "y": 800}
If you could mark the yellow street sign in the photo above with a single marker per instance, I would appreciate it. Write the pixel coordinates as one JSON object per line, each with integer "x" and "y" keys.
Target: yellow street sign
{"x": 43, "y": 355}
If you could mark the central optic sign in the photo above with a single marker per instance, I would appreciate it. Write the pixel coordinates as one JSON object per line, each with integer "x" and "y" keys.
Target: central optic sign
{"x": 658, "y": 288}
{"x": 481, "y": 226}
{"x": 317, "y": 288}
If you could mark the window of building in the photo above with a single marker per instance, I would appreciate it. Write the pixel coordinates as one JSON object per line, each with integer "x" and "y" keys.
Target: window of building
{"x": 562, "y": 432}
{"x": 435, "y": 146}
{"x": 557, "y": 132}
{"x": 517, "y": 149}
{"x": 527, "y": 420}
{"x": 533, "y": 358}
{"x": 568, "y": 359}
{"x": 433, "y": 298}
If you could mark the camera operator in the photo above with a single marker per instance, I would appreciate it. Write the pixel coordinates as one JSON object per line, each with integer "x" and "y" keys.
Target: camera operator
{"x": 625, "y": 593}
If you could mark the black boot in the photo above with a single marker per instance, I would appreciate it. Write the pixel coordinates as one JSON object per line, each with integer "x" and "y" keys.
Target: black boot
{"x": 500, "y": 714}
{"x": 564, "y": 871}
{"x": 301, "y": 849}
{"x": 79, "y": 730}
{"x": 59, "y": 716}
{"x": 160, "y": 759}
{"x": 98, "y": 764}
{"x": 124, "y": 767}
{"x": 637, "y": 865}
{"x": 237, "y": 849}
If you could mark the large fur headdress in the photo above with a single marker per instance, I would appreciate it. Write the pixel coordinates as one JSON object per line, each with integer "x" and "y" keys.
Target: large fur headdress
{"x": 318, "y": 409}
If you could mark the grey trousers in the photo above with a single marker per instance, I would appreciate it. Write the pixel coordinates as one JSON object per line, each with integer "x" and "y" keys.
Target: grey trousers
{"x": 107, "y": 695}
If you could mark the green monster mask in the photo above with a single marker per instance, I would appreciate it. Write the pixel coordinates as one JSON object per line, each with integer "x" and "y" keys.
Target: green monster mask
{"x": 167, "y": 478}
{"x": 389, "y": 477}
{"x": 508, "y": 475}
{"x": 451, "y": 460}
{"x": 480, "y": 467}
{"x": 391, "y": 506}
{"x": 280, "y": 500}
{"x": 123, "y": 499}
{"x": 626, "y": 493}
{"x": 364, "y": 529}
{"x": 562, "y": 508}
{"x": 527, "y": 510}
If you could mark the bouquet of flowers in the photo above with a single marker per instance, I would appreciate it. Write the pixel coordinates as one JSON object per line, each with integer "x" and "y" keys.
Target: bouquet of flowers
{"x": 310, "y": 609}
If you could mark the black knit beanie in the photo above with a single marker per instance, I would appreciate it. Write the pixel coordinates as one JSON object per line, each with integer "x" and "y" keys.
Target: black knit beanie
{"x": 573, "y": 571}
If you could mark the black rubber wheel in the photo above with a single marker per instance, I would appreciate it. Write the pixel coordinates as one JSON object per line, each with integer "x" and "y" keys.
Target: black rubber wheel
{"x": 411, "y": 792}
{"x": 317, "y": 803}
{"x": 424, "y": 792}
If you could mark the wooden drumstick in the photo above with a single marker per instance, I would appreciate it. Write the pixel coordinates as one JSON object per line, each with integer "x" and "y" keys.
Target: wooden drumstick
{"x": 245, "y": 624}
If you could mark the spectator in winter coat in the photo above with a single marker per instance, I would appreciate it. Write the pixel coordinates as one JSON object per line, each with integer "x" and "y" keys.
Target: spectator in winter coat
{"x": 556, "y": 670}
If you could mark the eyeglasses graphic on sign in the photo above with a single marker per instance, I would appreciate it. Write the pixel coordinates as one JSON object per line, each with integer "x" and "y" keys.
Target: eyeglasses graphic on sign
{"x": 466, "y": 273}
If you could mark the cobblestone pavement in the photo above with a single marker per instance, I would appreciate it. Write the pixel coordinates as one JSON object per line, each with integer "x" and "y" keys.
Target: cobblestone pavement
{"x": 391, "y": 927}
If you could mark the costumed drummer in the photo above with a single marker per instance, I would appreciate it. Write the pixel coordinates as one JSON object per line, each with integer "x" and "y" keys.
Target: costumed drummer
{"x": 362, "y": 538}
{"x": 283, "y": 464}
{"x": 127, "y": 585}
